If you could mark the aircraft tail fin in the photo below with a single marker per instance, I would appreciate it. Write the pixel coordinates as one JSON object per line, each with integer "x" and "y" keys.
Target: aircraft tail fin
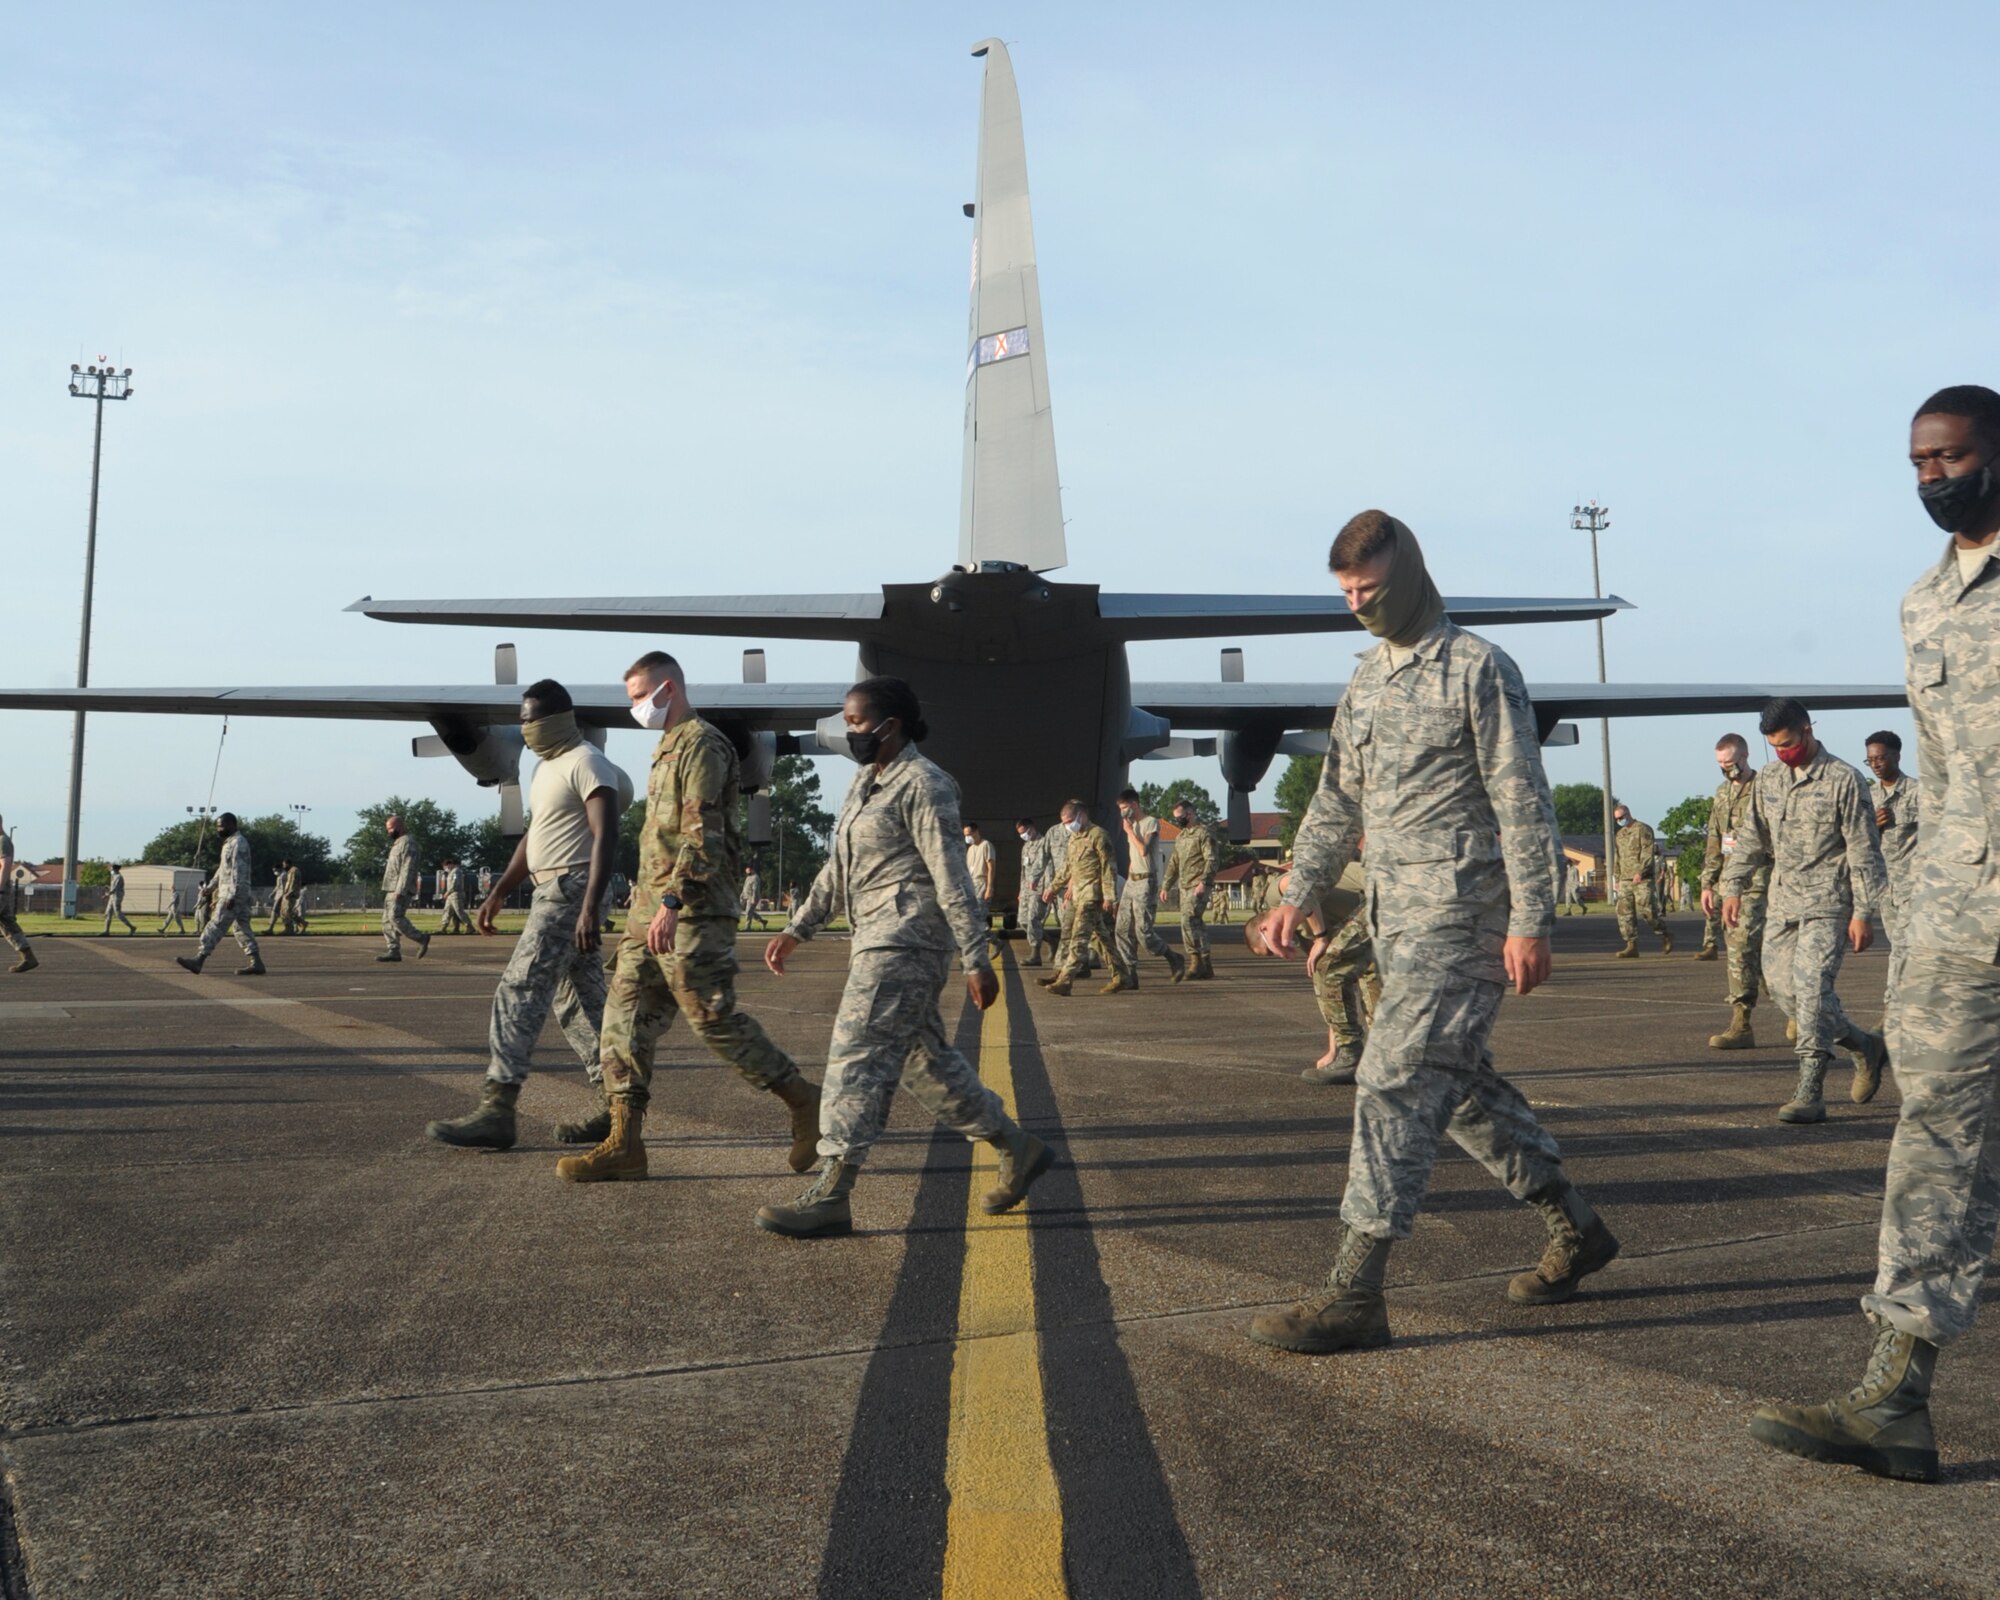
{"x": 1010, "y": 505}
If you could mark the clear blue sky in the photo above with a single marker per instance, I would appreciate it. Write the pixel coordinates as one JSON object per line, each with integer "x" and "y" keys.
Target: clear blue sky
{"x": 506, "y": 299}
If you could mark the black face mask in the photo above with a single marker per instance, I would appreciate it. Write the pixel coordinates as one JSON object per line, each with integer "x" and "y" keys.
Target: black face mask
{"x": 865, "y": 747}
{"x": 1955, "y": 503}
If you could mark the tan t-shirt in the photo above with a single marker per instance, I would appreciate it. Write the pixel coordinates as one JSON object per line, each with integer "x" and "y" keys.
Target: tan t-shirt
{"x": 1140, "y": 865}
{"x": 558, "y": 825}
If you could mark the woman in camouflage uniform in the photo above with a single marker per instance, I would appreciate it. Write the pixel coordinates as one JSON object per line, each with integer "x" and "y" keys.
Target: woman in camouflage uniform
{"x": 897, "y": 873}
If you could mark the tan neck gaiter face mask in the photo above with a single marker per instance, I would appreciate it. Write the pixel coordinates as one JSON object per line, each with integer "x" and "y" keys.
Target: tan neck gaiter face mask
{"x": 1407, "y": 606}
{"x": 551, "y": 735}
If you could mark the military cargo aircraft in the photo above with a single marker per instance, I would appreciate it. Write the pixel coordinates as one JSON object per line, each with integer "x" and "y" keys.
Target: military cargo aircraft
{"x": 1024, "y": 679}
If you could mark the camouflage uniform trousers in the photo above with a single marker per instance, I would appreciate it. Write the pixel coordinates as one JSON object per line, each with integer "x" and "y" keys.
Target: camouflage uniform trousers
{"x": 1743, "y": 948}
{"x": 1895, "y": 910}
{"x": 455, "y": 918}
{"x": 1713, "y": 935}
{"x": 1066, "y": 943}
{"x": 10, "y": 930}
{"x": 116, "y": 908}
{"x": 1089, "y": 924}
{"x": 547, "y": 971}
{"x": 231, "y": 916}
{"x": 1635, "y": 905}
{"x": 1033, "y": 916}
{"x": 1427, "y": 1071}
{"x": 1801, "y": 961}
{"x": 396, "y": 923}
{"x": 889, "y": 1025}
{"x": 1941, "y": 1196}
{"x": 1137, "y": 907}
{"x": 1194, "y": 924}
{"x": 1345, "y": 982}
{"x": 698, "y": 976}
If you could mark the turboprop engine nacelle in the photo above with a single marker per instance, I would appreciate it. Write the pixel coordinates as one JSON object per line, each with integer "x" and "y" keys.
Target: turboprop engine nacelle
{"x": 491, "y": 752}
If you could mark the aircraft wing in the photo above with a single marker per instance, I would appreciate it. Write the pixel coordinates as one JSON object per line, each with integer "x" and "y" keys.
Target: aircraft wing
{"x": 1233, "y": 707}
{"x": 778, "y": 707}
{"x": 774, "y": 616}
{"x": 1203, "y": 616}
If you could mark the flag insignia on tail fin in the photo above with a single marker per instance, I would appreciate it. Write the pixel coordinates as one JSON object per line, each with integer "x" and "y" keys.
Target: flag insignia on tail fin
{"x": 997, "y": 347}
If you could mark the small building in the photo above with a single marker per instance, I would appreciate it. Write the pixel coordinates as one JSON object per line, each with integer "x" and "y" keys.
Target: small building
{"x": 150, "y": 890}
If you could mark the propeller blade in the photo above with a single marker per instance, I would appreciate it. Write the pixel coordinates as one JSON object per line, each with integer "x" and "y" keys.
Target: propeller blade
{"x": 429, "y": 745}
{"x": 506, "y": 665}
{"x": 513, "y": 815}
{"x": 1239, "y": 816}
{"x": 753, "y": 666}
{"x": 1232, "y": 664}
{"x": 758, "y": 827}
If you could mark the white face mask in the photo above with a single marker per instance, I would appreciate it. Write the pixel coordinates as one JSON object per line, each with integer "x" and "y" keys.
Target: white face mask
{"x": 649, "y": 713}
{"x": 1075, "y": 824}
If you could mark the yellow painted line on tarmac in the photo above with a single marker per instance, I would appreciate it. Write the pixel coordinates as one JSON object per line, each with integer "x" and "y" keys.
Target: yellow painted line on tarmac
{"x": 1004, "y": 1528}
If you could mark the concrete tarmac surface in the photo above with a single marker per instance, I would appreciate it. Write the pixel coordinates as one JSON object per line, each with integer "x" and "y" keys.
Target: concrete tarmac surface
{"x": 260, "y": 1337}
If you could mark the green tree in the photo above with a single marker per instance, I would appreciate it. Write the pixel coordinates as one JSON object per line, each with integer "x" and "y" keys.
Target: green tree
{"x": 1295, "y": 792}
{"x": 628, "y": 838}
{"x": 1685, "y": 828}
{"x": 272, "y": 839}
{"x": 437, "y": 832}
{"x": 1579, "y": 808}
{"x": 93, "y": 872}
{"x": 800, "y": 828}
{"x": 486, "y": 846}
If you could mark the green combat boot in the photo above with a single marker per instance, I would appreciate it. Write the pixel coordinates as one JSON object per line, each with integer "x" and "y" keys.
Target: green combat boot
{"x": 1808, "y": 1102}
{"x": 1666, "y": 944}
{"x": 1883, "y": 1427}
{"x": 1738, "y": 1035}
{"x": 1204, "y": 968}
{"x": 254, "y": 970}
{"x": 593, "y": 1129}
{"x": 1349, "y": 1314}
{"x": 1341, "y": 1069}
{"x": 821, "y": 1209}
{"x": 191, "y": 963}
{"x": 28, "y": 962}
{"x": 491, "y": 1127}
{"x": 1871, "y": 1055}
{"x": 1579, "y": 1244}
{"x": 1023, "y": 1159}
{"x": 621, "y": 1155}
{"x": 1176, "y": 962}
{"x": 802, "y": 1095}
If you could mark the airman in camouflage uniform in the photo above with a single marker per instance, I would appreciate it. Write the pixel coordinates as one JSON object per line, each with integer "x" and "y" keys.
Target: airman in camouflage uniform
{"x": 10, "y": 930}
{"x": 898, "y": 874}
{"x": 1093, "y": 891}
{"x": 399, "y": 888}
{"x": 455, "y": 919}
{"x": 1744, "y": 942}
{"x": 1435, "y": 756}
{"x": 1191, "y": 868}
{"x": 1898, "y": 809}
{"x": 1037, "y": 870}
{"x": 1136, "y": 905}
{"x": 1635, "y": 862}
{"x": 1809, "y": 821}
{"x": 679, "y": 949}
{"x": 1344, "y": 979}
{"x": 230, "y": 890}
{"x": 1941, "y": 1197}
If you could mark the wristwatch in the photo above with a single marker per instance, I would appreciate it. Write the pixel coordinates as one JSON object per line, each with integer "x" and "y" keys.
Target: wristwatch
{"x": 671, "y": 901}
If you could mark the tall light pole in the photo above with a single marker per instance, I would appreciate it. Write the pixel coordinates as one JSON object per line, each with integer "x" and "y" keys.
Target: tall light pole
{"x": 1594, "y": 519}
{"x": 99, "y": 384}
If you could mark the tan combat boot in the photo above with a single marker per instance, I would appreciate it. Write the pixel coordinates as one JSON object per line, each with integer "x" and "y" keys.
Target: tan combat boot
{"x": 1052, "y": 981}
{"x": 591, "y": 1129}
{"x": 1737, "y": 1036}
{"x": 1808, "y": 1102}
{"x": 1791, "y": 1030}
{"x": 1349, "y": 1314}
{"x": 1630, "y": 952}
{"x": 1666, "y": 942}
{"x": 802, "y": 1096}
{"x": 1116, "y": 985}
{"x": 1023, "y": 1159}
{"x": 621, "y": 1155}
{"x": 1579, "y": 1244}
{"x": 1871, "y": 1056}
{"x": 1058, "y": 985}
{"x": 1883, "y": 1427}
{"x": 821, "y": 1210}
{"x": 1708, "y": 952}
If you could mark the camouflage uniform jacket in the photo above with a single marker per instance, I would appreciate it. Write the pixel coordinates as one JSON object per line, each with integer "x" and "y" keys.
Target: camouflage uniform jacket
{"x": 1193, "y": 862}
{"x": 691, "y": 845}
{"x": 1086, "y": 868}
{"x": 399, "y": 874}
{"x": 1725, "y": 827}
{"x": 1899, "y": 839}
{"x": 1636, "y": 854}
{"x": 1814, "y": 828}
{"x": 1436, "y": 758}
{"x": 232, "y": 872}
{"x": 1057, "y": 839}
{"x": 1037, "y": 863}
{"x": 289, "y": 884}
{"x": 897, "y": 868}
{"x": 1951, "y": 653}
